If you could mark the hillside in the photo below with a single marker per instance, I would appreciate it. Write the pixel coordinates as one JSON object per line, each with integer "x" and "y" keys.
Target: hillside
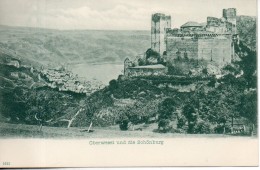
{"x": 136, "y": 100}
{"x": 26, "y": 93}
{"x": 48, "y": 46}
{"x": 246, "y": 27}
{"x": 216, "y": 102}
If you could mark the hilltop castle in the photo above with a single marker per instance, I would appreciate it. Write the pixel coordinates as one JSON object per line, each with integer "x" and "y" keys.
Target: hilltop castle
{"x": 212, "y": 41}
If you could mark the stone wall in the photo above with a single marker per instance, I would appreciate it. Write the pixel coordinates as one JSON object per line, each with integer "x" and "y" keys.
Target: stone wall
{"x": 133, "y": 71}
{"x": 215, "y": 49}
{"x": 216, "y": 25}
{"x": 188, "y": 45}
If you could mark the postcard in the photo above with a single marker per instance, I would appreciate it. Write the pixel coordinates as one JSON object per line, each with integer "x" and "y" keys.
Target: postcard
{"x": 118, "y": 83}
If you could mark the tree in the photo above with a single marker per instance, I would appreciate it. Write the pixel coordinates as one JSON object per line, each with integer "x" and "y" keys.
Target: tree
{"x": 151, "y": 53}
{"x": 181, "y": 121}
{"x": 248, "y": 63}
{"x": 248, "y": 107}
{"x": 165, "y": 53}
{"x": 232, "y": 69}
{"x": 165, "y": 110}
{"x": 141, "y": 62}
{"x": 202, "y": 127}
{"x": 123, "y": 122}
{"x": 164, "y": 125}
{"x": 16, "y": 103}
{"x": 161, "y": 60}
{"x": 113, "y": 85}
{"x": 190, "y": 113}
{"x": 205, "y": 71}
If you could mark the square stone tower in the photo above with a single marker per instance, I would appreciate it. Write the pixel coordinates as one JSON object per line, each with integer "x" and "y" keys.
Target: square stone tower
{"x": 230, "y": 15}
{"x": 160, "y": 23}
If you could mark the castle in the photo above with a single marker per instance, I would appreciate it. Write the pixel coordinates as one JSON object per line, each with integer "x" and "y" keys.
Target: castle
{"x": 210, "y": 42}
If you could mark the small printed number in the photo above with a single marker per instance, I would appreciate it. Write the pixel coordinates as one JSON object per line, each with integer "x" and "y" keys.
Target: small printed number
{"x": 6, "y": 163}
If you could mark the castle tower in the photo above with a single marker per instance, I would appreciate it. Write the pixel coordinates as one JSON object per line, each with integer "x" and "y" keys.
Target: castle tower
{"x": 160, "y": 23}
{"x": 230, "y": 15}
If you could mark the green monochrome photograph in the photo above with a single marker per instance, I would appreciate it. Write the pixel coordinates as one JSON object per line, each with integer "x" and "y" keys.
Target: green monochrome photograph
{"x": 129, "y": 74}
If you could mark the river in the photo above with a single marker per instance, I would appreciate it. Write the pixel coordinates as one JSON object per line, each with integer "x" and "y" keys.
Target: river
{"x": 102, "y": 72}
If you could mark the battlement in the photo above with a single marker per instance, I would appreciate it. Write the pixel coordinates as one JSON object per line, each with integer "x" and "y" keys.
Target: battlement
{"x": 159, "y": 16}
{"x": 229, "y": 13}
{"x": 213, "y": 21}
{"x": 198, "y": 35}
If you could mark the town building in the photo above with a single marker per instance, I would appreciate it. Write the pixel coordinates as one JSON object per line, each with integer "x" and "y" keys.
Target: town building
{"x": 146, "y": 70}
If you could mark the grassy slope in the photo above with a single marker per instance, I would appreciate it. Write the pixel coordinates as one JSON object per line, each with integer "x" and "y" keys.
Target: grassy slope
{"x": 32, "y": 131}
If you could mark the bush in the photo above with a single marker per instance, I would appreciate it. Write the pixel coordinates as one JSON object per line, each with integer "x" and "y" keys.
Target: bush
{"x": 202, "y": 127}
{"x": 151, "y": 53}
{"x": 219, "y": 129}
{"x": 113, "y": 85}
{"x": 166, "y": 108}
{"x": 164, "y": 125}
{"x": 123, "y": 122}
{"x": 181, "y": 121}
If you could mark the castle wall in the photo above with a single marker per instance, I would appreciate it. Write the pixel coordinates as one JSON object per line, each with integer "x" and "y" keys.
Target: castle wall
{"x": 135, "y": 71}
{"x": 182, "y": 44}
{"x": 212, "y": 42}
{"x": 215, "y": 49}
{"x": 216, "y": 25}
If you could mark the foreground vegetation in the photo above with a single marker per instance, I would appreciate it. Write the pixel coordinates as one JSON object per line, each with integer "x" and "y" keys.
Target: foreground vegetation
{"x": 224, "y": 105}
{"x": 204, "y": 105}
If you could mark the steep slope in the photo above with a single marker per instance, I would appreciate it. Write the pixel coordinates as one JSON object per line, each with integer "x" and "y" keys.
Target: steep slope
{"x": 246, "y": 27}
{"x": 25, "y": 94}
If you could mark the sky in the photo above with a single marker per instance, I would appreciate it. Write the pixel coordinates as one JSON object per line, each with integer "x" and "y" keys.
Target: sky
{"x": 113, "y": 14}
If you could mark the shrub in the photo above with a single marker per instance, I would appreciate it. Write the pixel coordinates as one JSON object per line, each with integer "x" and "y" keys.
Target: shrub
{"x": 123, "y": 122}
{"x": 205, "y": 71}
{"x": 113, "y": 85}
{"x": 220, "y": 129}
{"x": 164, "y": 125}
{"x": 151, "y": 53}
{"x": 166, "y": 108}
{"x": 181, "y": 121}
{"x": 202, "y": 127}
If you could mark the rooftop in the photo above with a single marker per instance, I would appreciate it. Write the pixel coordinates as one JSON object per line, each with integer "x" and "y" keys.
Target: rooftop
{"x": 191, "y": 24}
{"x": 157, "y": 66}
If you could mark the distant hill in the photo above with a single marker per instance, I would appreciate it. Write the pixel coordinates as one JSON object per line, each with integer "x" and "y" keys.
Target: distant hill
{"x": 47, "y": 46}
{"x": 246, "y": 26}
